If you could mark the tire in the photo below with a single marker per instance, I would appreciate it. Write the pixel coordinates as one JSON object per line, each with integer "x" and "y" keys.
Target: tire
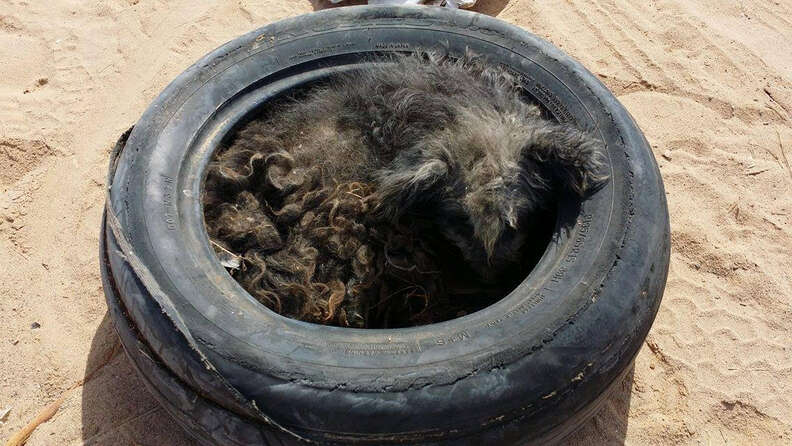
{"x": 528, "y": 369}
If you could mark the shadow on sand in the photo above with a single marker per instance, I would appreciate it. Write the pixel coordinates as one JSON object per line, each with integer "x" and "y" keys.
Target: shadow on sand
{"x": 609, "y": 425}
{"x": 117, "y": 409}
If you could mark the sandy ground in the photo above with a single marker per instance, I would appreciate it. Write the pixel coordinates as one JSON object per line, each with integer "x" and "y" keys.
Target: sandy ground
{"x": 710, "y": 83}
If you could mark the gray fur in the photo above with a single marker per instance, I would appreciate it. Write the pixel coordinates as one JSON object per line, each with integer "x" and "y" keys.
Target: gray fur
{"x": 447, "y": 139}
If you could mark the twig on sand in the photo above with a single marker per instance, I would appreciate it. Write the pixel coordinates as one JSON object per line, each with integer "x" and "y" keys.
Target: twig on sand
{"x": 757, "y": 171}
{"x": 783, "y": 153}
{"x": 51, "y": 409}
{"x": 48, "y": 412}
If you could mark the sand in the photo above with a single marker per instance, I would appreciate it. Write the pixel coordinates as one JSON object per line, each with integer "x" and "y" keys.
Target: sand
{"x": 709, "y": 82}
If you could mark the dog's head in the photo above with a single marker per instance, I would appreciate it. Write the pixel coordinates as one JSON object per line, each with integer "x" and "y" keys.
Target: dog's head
{"x": 486, "y": 180}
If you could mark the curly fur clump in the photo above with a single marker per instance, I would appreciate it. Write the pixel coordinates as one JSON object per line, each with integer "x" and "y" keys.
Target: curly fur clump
{"x": 337, "y": 204}
{"x": 330, "y": 259}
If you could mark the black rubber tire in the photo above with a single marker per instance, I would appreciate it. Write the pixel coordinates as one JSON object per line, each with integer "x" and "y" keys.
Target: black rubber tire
{"x": 527, "y": 369}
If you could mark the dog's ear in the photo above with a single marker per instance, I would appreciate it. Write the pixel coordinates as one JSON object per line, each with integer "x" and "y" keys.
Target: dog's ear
{"x": 563, "y": 157}
{"x": 408, "y": 182}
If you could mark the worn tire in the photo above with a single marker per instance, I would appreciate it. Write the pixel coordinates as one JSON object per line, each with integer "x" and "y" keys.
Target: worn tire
{"x": 529, "y": 368}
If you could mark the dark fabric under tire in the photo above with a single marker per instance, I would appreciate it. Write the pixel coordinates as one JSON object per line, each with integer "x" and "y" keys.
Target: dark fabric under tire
{"x": 525, "y": 369}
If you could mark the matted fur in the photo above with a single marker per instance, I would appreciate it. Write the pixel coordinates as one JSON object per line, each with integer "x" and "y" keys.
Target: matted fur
{"x": 333, "y": 201}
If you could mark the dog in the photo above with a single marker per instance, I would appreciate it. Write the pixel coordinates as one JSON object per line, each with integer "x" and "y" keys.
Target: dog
{"x": 449, "y": 141}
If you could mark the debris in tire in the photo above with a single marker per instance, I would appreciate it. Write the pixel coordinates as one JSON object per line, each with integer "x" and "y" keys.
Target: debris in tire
{"x": 342, "y": 205}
